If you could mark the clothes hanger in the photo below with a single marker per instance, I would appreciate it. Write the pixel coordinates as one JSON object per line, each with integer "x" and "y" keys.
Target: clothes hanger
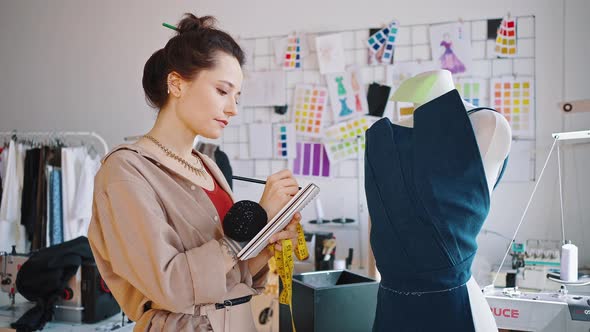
{"x": 36, "y": 142}
{"x": 59, "y": 143}
{"x": 52, "y": 140}
{"x": 25, "y": 141}
{"x": 91, "y": 150}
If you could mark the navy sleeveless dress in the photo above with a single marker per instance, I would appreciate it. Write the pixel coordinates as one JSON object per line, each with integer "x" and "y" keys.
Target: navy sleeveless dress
{"x": 428, "y": 197}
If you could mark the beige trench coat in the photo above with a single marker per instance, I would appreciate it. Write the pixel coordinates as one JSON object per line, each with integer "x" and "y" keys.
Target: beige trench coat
{"x": 155, "y": 237}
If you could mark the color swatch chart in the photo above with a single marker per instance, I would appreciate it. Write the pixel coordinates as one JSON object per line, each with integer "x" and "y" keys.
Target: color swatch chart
{"x": 382, "y": 37}
{"x": 293, "y": 53}
{"x": 383, "y": 41}
{"x": 388, "y": 52}
{"x": 284, "y": 140}
{"x": 309, "y": 106}
{"x": 341, "y": 144}
{"x": 471, "y": 90}
{"x": 311, "y": 160}
{"x": 378, "y": 39}
{"x": 506, "y": 38}
{"x": 514, "y": 98}
{"x": 343, "y": 62}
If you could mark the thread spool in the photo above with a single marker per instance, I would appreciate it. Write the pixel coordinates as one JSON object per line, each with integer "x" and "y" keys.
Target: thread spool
{"x": 569, "y": 262}
{"x": 319, "y": 211}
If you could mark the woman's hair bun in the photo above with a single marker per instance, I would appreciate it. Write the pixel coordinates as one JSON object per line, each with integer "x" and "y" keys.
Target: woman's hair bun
{"x": 194, "y": 48}
{"x": 190, "y": 22}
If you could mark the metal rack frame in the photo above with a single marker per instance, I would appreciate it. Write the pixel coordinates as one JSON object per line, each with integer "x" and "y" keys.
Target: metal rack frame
{"x": 53, "y": 134}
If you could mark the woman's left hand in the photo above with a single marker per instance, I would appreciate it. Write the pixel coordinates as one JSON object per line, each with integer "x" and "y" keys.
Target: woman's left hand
{"x": 289, "y": 232}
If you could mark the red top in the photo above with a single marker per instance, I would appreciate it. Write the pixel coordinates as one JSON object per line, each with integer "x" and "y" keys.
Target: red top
{"x": 219, "y": 197}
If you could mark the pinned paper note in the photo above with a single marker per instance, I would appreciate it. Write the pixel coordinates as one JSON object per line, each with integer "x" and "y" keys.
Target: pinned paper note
{"x": 263, "y": 89}
{"x": 451, "y": 46}
{"x": 347, "y": 96}
{"x": 471, "y": 90}
{"x": 311, "y": 160}
{"x": 330, "y": 51}
{"x": 309, "y": 106}
{"x": 341, "y": 141}
{"x": 358, "y": 91}
{"x": 506, "y": 38}
{"x": 514, "y": 98}
{"x": 260, "y": 135}
{"x": 284, "y": 140}
{"x": 340, "y": 95}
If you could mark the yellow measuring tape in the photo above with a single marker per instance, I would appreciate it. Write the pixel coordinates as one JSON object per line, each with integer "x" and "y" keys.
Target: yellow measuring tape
{"x": 284, "y": 263}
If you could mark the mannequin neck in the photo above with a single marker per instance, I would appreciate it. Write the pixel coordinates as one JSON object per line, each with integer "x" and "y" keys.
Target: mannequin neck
{"x": 424, "y": 87}
{"x": 491, "y": 129}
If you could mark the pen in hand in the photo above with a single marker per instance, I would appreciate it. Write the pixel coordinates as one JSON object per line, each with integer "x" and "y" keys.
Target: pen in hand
{"x": 241, "y": 178}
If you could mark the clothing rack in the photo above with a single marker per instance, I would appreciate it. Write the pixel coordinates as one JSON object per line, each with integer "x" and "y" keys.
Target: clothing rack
{"x": 57, "y": 134}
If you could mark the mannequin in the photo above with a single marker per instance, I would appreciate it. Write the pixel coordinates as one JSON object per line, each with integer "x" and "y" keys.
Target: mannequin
{"x": 492, "y": 130}
{"x": 493, "y": 137}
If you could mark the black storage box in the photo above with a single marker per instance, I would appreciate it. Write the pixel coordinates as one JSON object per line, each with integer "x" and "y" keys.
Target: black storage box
{"x": 326, "y": 301}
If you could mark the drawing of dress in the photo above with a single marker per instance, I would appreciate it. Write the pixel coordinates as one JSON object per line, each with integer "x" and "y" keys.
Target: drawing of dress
{"x": 342, "y": 96}
{"x": 449, "y": 60}
{"x": 356, "y": 88}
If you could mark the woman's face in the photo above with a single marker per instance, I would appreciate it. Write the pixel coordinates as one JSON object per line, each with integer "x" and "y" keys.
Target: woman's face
{"x": 210, "y": 99}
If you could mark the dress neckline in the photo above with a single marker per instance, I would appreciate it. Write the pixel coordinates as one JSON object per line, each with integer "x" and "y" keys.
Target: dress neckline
{"x": 421, "y": 109}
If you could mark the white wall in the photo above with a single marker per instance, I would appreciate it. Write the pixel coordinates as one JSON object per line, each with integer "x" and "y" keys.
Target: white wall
{"x": 77, "y": 65}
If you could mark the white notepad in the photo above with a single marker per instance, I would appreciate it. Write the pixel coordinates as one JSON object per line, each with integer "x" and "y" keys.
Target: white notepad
{"x": 296, "y": 204}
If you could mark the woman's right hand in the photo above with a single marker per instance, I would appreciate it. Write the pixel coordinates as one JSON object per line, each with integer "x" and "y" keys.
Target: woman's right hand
{"x": 278, "y": 191}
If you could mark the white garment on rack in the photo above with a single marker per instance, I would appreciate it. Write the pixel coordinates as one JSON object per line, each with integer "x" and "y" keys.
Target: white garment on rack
{"x": 81, "y": 211}
{"x": 23, "y": 244}
{"x": 48, "y": 170}
{"x": 72, "y": 160}
{"x": 11, "y": 231}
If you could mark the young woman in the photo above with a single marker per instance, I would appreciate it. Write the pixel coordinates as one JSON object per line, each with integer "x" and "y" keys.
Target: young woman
{"x": 158, "y": 204}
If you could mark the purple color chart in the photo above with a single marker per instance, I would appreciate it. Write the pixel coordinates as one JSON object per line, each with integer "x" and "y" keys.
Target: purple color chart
{"x": 311, "y": 160}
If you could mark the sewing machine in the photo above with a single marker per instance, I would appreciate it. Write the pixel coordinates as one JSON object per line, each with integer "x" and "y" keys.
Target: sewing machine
{"x": 549, "y": 303}
{"x": 10, "y": 263}
{"x": 517, "y": 310}
{"x": 86, "y": 298}
{"x": 530, "y": 296}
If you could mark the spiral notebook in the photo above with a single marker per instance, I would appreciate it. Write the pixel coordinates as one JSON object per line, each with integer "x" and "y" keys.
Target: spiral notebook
{"x": 296, "y": 204}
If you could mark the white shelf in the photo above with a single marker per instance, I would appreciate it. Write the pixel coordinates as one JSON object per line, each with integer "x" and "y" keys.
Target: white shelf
{"x": 571, "y": 135}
